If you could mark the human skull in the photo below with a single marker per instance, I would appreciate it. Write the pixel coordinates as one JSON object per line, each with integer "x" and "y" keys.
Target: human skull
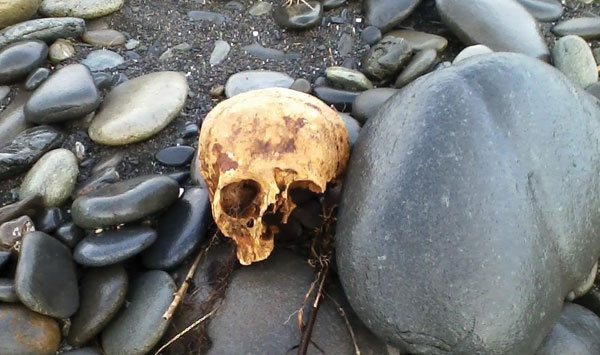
{"x": 255, "y": 148}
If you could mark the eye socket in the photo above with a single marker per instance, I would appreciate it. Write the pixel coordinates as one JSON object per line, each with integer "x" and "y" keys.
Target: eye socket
{"x": 238, "y": 199}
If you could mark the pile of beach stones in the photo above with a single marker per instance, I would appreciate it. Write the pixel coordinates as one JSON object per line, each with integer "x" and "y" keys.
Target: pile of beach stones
{"x": 468, "y": 217}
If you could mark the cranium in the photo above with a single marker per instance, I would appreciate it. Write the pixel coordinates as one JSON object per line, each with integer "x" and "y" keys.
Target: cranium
{"x": 258, "y": 146}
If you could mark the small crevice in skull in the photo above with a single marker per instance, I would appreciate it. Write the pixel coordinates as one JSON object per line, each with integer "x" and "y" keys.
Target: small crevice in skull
{"x": 238, "y": 199}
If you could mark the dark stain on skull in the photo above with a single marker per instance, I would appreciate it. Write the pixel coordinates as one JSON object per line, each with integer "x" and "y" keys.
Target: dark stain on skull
{"x": 224, "y": 162}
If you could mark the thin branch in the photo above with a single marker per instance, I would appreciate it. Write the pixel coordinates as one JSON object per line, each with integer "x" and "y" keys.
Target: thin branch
{"x": 307, "y": 333}
{"x": 188, "y": 278}
{"x": 348, "y": 325}
{"x": 183, "y": 332}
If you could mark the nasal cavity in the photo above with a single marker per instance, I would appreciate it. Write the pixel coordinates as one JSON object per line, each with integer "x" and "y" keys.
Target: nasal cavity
{"x": 238, "y": 199}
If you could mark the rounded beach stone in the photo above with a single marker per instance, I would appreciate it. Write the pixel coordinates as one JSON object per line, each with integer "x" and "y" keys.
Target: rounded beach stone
{"x": 124, "y": 201}
{"x": 53, "y": 177}
{"x": 139, "y": 108}
{"x": 139, "y": 326}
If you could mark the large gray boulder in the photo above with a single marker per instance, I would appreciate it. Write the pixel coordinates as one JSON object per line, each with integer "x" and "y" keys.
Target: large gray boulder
{"x": 471, "y": 208}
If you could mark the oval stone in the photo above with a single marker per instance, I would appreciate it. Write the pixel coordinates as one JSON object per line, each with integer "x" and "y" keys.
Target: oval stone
{"x": 139, "y": 327}
{"x": 25, "y": 332}
{"x": 36, "y": 78}
{"x": 175, "y": 156}
{"x": 113, "y": 246}
{"x": 104, "y": 38}
{"x": 124, "y": 201}
{"x": 12, "y": 119}
{"x": 103, "y": 292}
{"x": 503, "y": 26}
{"x": 53, "y": 177}
{"x": 573, "y": 56}
{"x": 464, "y": 200}
{"x": 585, "y": 27}
{"x": 45, "y": 280}
{"x": 299, "y": 16}
{"x": 67, "y": 94}
{"x": 139, "y": 108}
{"x": 386, "y": 14}
{"x": 180, "y": 230}
{"x": 86, "y": 9}
{"x": 19, "y": 59}
{"x": 254, "y": 80}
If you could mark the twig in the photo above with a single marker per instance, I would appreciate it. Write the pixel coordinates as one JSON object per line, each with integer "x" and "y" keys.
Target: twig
{"x": 300, "y": 311}
{"x": 188, "y": 278}
{"x": 348, "y": 325}
{"x": 307, "y": 333}
{"x": 183, "y": 332}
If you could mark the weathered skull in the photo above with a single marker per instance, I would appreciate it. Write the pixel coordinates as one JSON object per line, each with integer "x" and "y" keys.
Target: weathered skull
{"x": 255, "y": 148}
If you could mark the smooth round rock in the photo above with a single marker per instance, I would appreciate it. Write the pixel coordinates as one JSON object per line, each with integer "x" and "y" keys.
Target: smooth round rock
{"x": 36, "y": 78}
{"x": 371, "y": 35}
{"x": 85, "y": 9}
{"x": 103, "y": 292}
{"x": 45, "y": 29}
{"x": 179, "y": 155}
{"x": 61, "y": 50}
{"x": 19, "y": 59}
{"x": 577, "y": 331}
{"x": 140, "y": 326}
{"x": 25, "y": 332}
{"x": 286, "y": 278}
{"x": 181, "y": 229}
{"x": 219, "y": 53}
{"x": 585, "y": 27}
{"x": 26, "y": 148}
{"x": 348, "y": 79}
{"x": 260, "y": 8}
{"x": 369, "y": 102}
{"x": 421, "y": 40}
{"x": 573, "y": 56}
{"x": 301, "y": 85}
{"x": 113, "y": 246}
{"x": 386, "y": 14}
{"x": 420, "y": 64}
{"x": 543, "y": 10}
{"x": 299, "y": 16}
{"x": 15, "y": 11}
{"x": 471, "y": 51}
{"x": 503, "y": 26}
{"x": 45, "y": 279}
{"x": 53, "y": 177}
{"x": 254, "y": 80}
{"x": 139, "y": 108}
{"x": 104, "y": 38}
{"x": 102, "y": 59}
{"x": 459, "y": 181}
{"x": 124, "y": 201}
{"x": 7, "y": 291}
{"x": 387, "y": 58}
{"x": 68, "y": 93}
{"x": 332, "y": 4}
